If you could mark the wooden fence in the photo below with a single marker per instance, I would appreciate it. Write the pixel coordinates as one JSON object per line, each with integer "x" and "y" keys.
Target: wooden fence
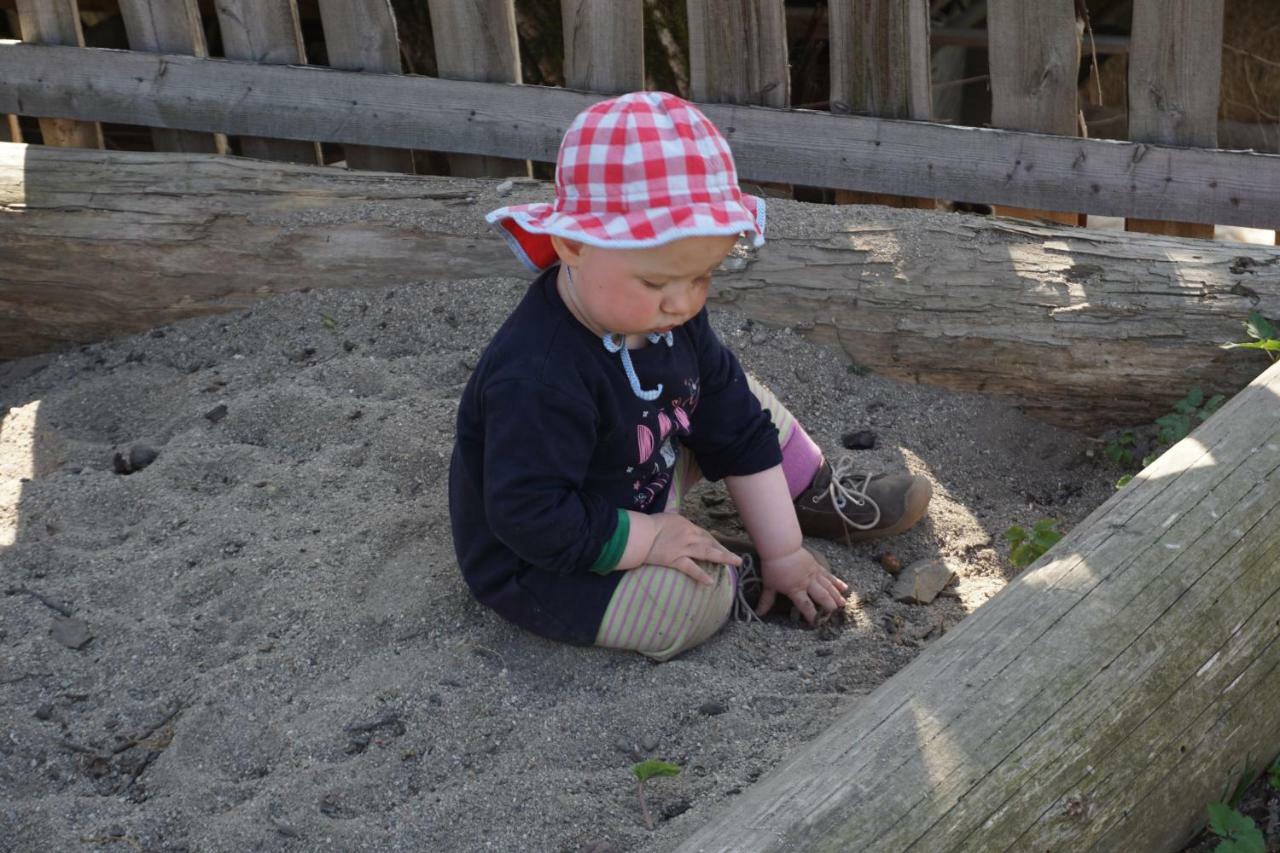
{"x": 872, "y": 140}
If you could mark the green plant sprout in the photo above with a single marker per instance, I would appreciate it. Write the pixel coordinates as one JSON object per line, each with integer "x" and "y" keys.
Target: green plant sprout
{"x": 1025, "y": 548}
{"x": 1238, "y": 832}
{"x": 644, "y": 771}
{"x": 1263, "y": 333}
{"x": 1188, "y": 413}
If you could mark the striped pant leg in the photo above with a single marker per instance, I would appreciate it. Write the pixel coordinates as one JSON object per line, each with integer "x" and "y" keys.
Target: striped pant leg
{"x": 660, "y": 612}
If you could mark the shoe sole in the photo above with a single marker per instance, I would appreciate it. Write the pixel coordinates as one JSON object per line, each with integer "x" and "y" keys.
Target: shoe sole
{"x": 917, "y": 501}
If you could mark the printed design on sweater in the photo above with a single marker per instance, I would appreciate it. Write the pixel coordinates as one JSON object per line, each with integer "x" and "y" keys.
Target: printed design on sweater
{"x": 657, "y": 441}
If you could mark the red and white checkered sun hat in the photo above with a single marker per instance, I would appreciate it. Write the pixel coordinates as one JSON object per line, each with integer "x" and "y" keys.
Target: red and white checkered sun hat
{"x": 635, "y": 171}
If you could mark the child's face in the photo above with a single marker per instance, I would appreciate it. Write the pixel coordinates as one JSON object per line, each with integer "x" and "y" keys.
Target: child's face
{"x": 638, "y": 291}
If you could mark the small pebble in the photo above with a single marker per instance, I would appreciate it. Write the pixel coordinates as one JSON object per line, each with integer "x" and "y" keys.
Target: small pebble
{"x": 649, "y": 743}
{"x": 712, "y": 709}
{"x": 890, "y": 562}
{"x": 141, "y": 455}
{"x": 71, "y": 632}
{"x": 863, "y": 439}
{"x": 44, "y": 712}
{"x": 824, "y": 651}
{"x": 216, "y": 414}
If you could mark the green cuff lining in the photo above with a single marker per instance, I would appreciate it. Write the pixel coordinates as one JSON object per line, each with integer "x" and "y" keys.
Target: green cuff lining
{"x": 611, "y": 553}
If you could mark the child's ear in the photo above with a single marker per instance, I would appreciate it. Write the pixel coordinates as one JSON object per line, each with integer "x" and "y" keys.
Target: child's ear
{"x": 570, "y": 251}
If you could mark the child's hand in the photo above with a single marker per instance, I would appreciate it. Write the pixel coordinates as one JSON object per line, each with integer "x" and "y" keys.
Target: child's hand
{"x": 806, "y": 579}
{"x": 678, "y": 542}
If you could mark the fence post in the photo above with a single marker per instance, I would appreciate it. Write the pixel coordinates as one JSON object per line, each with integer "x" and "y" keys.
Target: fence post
{"x": 171, "y": 26}
{"x": 476, "y": 40}
{"x": 360, "y": 35}
{"x": 603, "y": 45}
{"x": 738, "y": 52}
{"x": 880, "y": 67}
{"x": 266, "y": 31}
{"x": 1175, "y": 73}
{"x": 58, "y": 22}
{"x": 1034, "y": 53}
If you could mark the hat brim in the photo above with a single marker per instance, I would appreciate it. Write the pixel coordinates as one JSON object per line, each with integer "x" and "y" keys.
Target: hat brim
{"x": 528, "y": 227}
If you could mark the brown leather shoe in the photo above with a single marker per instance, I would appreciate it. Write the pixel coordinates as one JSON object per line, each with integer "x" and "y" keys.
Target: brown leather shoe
{"x": 854, "y": 507}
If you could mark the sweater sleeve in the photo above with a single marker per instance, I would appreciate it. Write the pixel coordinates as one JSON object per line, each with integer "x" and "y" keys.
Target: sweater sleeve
{"x": 732, "y": 435}
{"x": 538, "y": 444}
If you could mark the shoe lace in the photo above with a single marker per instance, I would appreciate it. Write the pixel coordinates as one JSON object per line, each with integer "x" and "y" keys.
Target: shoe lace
{"x": 845, "y": 488}
{"x": 748, "y": 578}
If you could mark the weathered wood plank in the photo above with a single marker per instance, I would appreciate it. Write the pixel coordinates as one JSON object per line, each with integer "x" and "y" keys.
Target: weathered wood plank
{"x": 56, "y": 22}
{"x": 361, "y": 36}
{"x": 738, "y": 52}
{"x": 475, "y": 40}
{"x": 604, "y": 45}
{"x": 796, "y": 146}
{"x": 880, "y": 67}
{"x": 266, "y": 31}
{"x": 171, "y": 26}
{"x": 1175, "y": 74}
{"x": 11, "y": 130}
{"x": 1098, "y": 702}
{"x": 1035, "y": 58}
{"x": 1080, "y": 327}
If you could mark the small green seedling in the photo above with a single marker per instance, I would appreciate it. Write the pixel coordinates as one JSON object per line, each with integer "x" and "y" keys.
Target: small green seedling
{"x": 644, "y": 771}
{"x": 1025, "y": 548}
{"x": 1238, "y": 832}
{"x": 1188, "y": 413}
{"x": 1263, "y": 335}
{"x": 328, "y": 322}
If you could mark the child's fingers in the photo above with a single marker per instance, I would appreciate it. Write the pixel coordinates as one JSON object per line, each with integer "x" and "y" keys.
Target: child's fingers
{"x": 716, "y": 553}
{"x": 824, "y": 595}
{"x": 766, "y": 601}
{"x": 805, "y": 605}
{"x": 690, "y": 568}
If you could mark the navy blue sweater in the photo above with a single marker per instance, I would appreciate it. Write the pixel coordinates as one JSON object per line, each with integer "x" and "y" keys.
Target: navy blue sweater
{"x": 552, "y": 443}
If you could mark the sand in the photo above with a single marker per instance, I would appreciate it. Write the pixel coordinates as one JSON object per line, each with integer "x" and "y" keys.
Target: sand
{"x": 274, "y": 649}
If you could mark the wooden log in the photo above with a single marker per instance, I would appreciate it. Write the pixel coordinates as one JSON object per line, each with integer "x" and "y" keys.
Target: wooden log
{"x": 815, "y": 149}
{"x": 266, "y": 31}
{"x": 738, "y": 52}
{"x": 361, "y": 36}
{"x": 1035, "y": 59}
{"x": 1085, "y": 328}
{"x": 475, "y": 40}
{"x": 604, "y": 45}
{"x": 57, "y": 22}
{"x": 1099, "y": 702}
{"x": 1175, "y": 76}
{"x": 171, "y": 26}
{"x": 880, "y": 67}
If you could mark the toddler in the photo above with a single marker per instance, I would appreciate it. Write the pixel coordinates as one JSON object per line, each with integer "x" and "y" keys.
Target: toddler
{"x": 606, "y": 395}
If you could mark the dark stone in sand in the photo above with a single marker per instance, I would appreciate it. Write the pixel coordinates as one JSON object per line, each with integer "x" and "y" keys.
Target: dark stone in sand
{"x": 44, "y": 712}
{"x": 712, "y": 709}
{"x": 71, "y": 632}
{"x": 217, "y": 413}
{"x": 675, "y": 809}
{"x": 863, "y": 439}
{"x": 141, "y": 455}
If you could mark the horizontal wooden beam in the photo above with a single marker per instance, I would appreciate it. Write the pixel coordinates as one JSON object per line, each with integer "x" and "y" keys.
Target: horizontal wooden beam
{"x": 1081, "y": 327}
{"x": 787, "y": 146}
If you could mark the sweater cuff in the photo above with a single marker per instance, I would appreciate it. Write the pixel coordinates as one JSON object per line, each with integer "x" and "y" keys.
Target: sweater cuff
{"x": 612, "y": 551}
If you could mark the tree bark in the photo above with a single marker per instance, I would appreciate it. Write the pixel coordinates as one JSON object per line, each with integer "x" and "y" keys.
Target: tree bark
{"x": 1099, "y": 702}
{"x": 1084, "y": 328}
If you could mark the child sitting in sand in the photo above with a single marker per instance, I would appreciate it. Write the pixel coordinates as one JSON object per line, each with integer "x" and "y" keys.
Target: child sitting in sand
{"x": 606, "y": 395}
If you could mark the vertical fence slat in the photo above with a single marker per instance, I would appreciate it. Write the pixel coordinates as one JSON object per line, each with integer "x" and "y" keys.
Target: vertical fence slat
{"x": 603, "y": 45}
{"x": 738, "y": 52}
{"x": 266, "y": 31}
{"x": 170, "y": 26}
{"x": 880, "y": 67}
{"x": 1034, "y": 54}
{"x": 10, "y": 131}
{"x": 58, "y": 22}
{"x": 476, "y": 40}
{"x": 360, "y": 35}
{"x": 1175, "y": 74}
